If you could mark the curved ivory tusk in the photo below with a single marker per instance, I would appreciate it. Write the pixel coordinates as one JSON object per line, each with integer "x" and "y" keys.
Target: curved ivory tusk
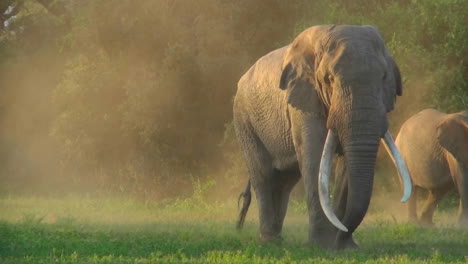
{"x": 403, "y": 172}
{"x": 324, "y": 175}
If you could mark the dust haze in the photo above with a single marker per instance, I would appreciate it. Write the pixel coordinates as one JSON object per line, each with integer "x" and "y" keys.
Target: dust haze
{"x": 134, "y": 99}
{"x": 113, "y": 97}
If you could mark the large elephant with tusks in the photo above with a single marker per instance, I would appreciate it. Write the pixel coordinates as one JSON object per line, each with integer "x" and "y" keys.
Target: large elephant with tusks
{"x": 326, "y": 93}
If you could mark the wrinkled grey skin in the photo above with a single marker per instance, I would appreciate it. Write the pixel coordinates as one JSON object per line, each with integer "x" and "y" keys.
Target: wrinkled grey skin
{"x": 330, "y": 77}
{"x": 434, "y": 146}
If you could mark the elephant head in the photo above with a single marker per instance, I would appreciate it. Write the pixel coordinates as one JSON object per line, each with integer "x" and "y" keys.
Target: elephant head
{"x": 357, "y": 80}
{"x": 452, "y": 134}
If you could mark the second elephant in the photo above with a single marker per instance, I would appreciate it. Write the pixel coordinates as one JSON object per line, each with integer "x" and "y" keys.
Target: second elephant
{"x": 435, "y": 148}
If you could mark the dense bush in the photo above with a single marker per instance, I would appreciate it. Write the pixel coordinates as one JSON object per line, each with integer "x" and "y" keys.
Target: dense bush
{"x": 117, "y": 96}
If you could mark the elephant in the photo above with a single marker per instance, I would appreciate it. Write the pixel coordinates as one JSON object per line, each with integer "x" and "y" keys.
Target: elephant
{"x": 327, "y": 93}
{"x": 435, "y": 148}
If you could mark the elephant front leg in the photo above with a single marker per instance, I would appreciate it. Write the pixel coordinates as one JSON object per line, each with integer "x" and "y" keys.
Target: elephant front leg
{"x": 341, "y": 188}
{"x": 309, "y": 133}
{"x": 321, "y": 231}
{"x": 343, "y": 239}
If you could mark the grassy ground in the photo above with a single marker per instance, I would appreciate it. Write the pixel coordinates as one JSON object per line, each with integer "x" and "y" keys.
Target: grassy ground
{"x": 92, "y": 230}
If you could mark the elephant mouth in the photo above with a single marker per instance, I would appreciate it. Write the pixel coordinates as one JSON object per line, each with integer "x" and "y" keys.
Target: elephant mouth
{"x": 325, "y": 171}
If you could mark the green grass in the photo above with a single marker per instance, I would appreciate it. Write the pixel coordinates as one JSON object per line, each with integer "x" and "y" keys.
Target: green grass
{"x": 92, "y": 230}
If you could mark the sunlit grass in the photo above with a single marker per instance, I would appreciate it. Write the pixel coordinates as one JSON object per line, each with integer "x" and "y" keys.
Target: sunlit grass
{"x": 119, "y": 230}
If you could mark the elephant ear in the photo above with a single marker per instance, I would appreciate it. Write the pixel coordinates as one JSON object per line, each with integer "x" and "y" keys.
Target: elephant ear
{"x": 452, "y": 135}
{"x": 392, "y": 83}
{"x": 296, "y": 78}
{"x": 300, "y": 61}
{"x": 392, "y": 80}
{"x": 396, "y": 76}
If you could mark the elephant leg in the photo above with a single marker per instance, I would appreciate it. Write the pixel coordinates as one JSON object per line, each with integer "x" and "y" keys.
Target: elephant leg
{"x": 340, "y": 203}
{"x": 434, "y": 197}
{"x": 321, "y": 231}
{"x": 341, "y": 188}
{"x": 344, "y": 240}
{"x": 261, "y": 174}
{"x": 462, "y": 187}
{"x": 267, "y": 206}
{"x": 412, "y": 205}
{"x": 262, "y": 183}
{"x": 284, "y": 182}
{"x": 463, "y": 211}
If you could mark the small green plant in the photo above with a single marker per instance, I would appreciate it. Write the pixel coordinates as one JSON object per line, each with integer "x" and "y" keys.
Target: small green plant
{"x": 200, "y": 189}
{"x": 66, "y": 221}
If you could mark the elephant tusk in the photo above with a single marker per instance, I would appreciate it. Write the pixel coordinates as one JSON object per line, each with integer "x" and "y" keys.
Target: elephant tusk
{"x": 403, "y": 172}
{"x": 324, "y": 174}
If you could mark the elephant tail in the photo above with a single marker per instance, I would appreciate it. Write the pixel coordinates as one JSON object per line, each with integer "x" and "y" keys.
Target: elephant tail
{"x": 247, "y": 195}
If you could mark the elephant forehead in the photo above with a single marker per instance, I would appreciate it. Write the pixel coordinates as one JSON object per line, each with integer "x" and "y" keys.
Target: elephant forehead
{"x": 364, "y": 33}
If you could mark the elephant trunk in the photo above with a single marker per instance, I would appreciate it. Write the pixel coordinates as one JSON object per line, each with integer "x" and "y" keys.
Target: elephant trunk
{"x": 360, "y": 154}
{"x": 359, "y": 133}
{"x": 360, "y": 137}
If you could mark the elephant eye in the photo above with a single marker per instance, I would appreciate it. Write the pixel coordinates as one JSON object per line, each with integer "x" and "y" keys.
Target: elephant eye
{"x": 384, "y": 76}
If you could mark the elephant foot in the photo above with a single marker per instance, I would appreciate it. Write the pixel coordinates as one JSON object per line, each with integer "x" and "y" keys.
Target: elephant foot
{"x": 321, "y": 242}
{"x": 345, "y": 241}
{"x": 413, "y": 220}
{"x": 426, "y": 223}
{"x": 322, "y": 237}
{"x": 271, "y": 239}
{"x": 346, "y": 244}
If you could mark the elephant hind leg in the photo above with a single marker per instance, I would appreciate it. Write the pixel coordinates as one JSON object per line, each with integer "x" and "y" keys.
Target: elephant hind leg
{"x": 434, "y": 197}
{"x": 283, "y": 182}
{"x": 264, "y": 190}
{"x": 260, "y": 170}
{"x": 412, "y": 205}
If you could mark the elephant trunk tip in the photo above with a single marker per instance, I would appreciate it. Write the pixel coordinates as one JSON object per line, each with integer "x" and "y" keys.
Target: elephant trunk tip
{"x": 247, "y": 195}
